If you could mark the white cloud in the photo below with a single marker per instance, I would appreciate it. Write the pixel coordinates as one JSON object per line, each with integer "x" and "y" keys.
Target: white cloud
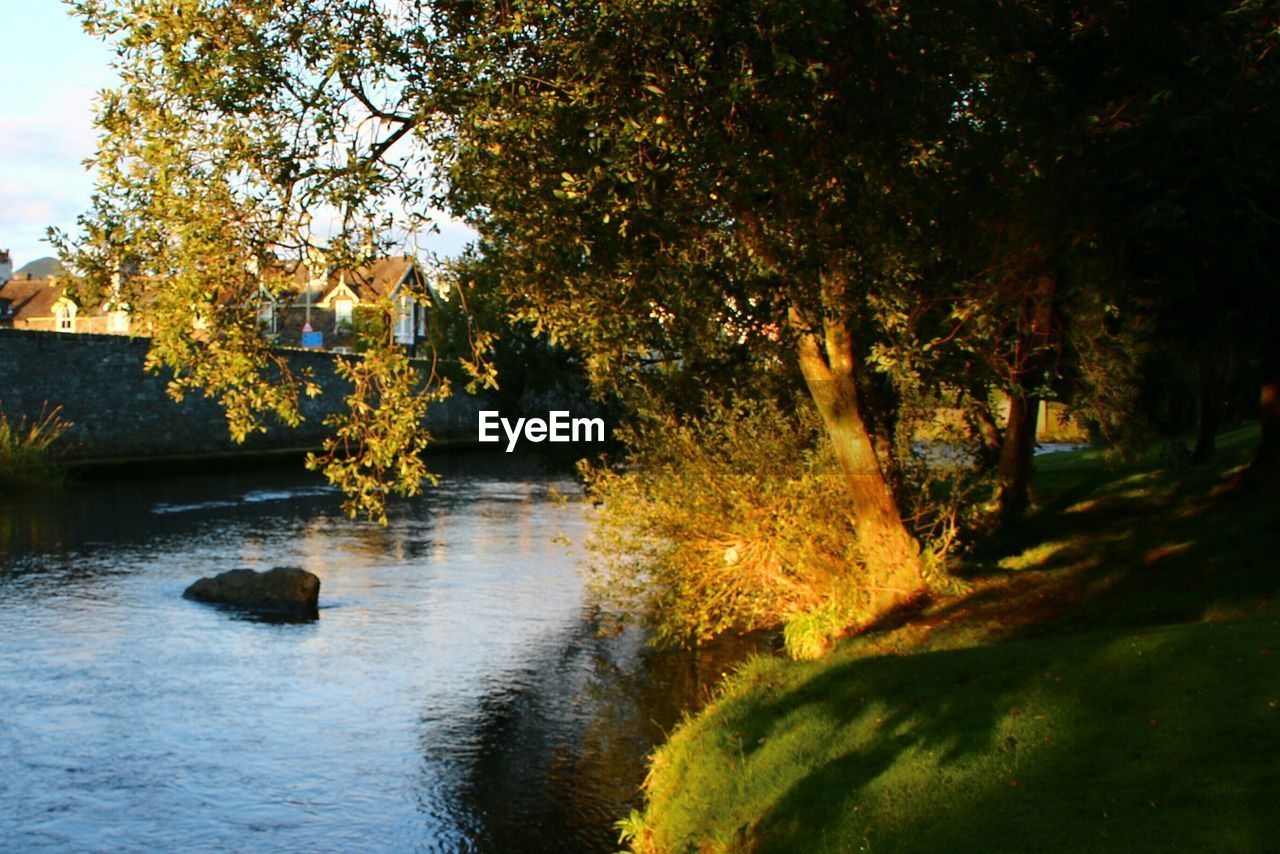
{"x": 54, "y": 72}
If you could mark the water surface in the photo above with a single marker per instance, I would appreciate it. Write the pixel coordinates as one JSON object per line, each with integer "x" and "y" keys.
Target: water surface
{"x": 454, "y": 694}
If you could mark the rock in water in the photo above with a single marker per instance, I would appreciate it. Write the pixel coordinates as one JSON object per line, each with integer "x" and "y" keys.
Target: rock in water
{"x": 285, "y": 589}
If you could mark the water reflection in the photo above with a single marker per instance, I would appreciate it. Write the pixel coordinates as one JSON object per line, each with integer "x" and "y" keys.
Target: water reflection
{"x": 555, "y": 750}
{"x": 453, "y": 696}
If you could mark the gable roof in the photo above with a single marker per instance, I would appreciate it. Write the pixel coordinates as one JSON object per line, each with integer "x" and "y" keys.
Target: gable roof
{"x": 373, "y": 281}
{"x": 366, "y": 283}
{"x": 31, "y": 298}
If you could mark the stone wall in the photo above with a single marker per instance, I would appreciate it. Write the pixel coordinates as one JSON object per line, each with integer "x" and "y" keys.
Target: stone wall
{"x": 121, "y": 412}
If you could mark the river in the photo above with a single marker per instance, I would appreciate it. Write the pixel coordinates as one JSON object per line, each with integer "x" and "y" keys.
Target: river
{"x": 454, "y": 695}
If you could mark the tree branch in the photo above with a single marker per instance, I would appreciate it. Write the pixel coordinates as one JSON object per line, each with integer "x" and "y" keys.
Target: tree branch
{"x": 358, "y": 93}
{"x": 382, "y": 147}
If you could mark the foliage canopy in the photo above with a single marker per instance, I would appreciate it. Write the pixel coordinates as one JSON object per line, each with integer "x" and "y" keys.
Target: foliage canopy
{"x": 882, "y": 197}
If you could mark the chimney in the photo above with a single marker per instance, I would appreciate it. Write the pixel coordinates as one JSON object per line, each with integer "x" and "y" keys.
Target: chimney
{"x": 6, "y": 266}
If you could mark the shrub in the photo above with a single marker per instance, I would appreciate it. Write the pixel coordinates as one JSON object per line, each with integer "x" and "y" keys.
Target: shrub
{"x": 733, "y": 520}
{"x": 27, "y": 452}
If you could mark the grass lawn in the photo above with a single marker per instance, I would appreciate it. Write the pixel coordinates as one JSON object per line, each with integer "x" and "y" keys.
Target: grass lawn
{"x": 1110, "y": 682}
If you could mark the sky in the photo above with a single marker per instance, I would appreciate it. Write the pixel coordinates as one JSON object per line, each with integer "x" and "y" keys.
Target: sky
{"x": 50, "y": 76}
{"x": 51, "y": 73}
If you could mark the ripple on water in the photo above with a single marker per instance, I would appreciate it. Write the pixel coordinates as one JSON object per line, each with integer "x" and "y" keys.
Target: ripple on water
{"x": 452, "y": 695}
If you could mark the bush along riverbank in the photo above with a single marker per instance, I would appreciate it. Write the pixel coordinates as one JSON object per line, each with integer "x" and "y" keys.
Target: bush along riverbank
{"x": 28, "y": 456}
{"x": 1109, "y": 682}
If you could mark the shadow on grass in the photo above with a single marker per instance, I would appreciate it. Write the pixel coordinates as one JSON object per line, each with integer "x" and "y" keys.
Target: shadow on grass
{"x": 1159, "y": 741}
{"x": 1108, "y": 684}
{"x": 1141, "y": 546}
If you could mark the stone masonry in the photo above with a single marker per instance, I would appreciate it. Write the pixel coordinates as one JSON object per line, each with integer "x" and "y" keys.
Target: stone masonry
{"x": 122, "y": 412}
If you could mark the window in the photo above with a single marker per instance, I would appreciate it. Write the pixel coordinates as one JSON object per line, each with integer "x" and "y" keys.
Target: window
{"x": 66, "y": 318}
{"x": 404, "y": 321}
{"x": 267, "y": 317}
{"x": 342, "y": 313}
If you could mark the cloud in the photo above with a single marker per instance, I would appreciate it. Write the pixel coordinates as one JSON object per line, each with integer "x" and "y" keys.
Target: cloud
{"x": 36, "y": 211}
{"x": 35, "y": 196}
{"x": 56, "y": 128}
{"x": 43, "y": 180}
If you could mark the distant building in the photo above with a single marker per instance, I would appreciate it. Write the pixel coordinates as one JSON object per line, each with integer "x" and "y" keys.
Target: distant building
{"x": 331, "y": 300}
{"x": 32, "y": 298}
{"x": 40, "y": 304}
{"x": 335, "y": 300}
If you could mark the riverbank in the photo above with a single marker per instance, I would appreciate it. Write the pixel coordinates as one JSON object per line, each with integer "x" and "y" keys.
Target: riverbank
{"x": 1109, "y": 682}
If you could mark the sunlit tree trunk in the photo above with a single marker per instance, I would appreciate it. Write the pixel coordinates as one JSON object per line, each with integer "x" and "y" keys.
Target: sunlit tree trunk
{"x": 1013, "y": 473}
{"x": 891, "y": 554}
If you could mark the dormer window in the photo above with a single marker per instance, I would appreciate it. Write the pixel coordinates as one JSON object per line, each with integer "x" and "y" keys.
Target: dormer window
{"x": 267, "y": 316}
{"x": 342, "y": 313}
{"x": 404, "y": 321}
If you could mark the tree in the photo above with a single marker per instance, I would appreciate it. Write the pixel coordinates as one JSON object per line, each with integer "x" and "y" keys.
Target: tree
{"x": 678, "y": 181}
{"x": 649, "y": 177}
{"x": 644, "y": 186}
{"x": 1102, "y": 189}
{"x": 236, "y": 126}
{"x": 1195, "y": 158}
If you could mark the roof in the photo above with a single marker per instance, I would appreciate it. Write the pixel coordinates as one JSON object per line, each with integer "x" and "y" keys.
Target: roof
{"x": 38, "y": 298}
{"x": 380, "y": 278}
{"x": 31, "y": 297}
{"x": 368, "y": 282}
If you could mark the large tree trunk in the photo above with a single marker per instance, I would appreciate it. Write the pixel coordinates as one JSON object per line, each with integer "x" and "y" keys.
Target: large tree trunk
{"x": 1013, "y": 473}
{"x": 891, "y": 554}
{"x": 1211, "y": 376}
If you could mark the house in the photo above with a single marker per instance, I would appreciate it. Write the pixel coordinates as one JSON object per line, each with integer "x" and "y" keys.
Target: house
{"x": 35, "y": 298}
{"x": 43, "y": 304}
{"x": 315, "y": 296}
{"x": 6, "y": 274}
{"x": 333, "y": 301}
